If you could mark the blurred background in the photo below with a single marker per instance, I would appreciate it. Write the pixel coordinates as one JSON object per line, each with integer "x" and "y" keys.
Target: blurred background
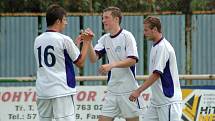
{"x": 184, "y": 6}
{"x": 188, "y": 24}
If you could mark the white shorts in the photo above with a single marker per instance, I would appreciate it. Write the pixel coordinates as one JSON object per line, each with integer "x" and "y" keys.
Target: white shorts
{"x": 172, "y": 112}
{"x": 60, "y": 109}
{"x": 119, "y": 106}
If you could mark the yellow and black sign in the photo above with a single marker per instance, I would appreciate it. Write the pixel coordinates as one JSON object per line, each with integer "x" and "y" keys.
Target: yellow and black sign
{"x": 199, "y": 105}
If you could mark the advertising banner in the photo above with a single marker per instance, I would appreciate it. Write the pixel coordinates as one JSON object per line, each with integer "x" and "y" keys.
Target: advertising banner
{"x": 19, "y": 104}
{"x": 199, "y": 105}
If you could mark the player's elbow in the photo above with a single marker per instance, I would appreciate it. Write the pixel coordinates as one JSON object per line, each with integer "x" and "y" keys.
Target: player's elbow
{"x": 93, "y": 60}
{"x": 132, "y": 61}
{"x": 80, "y": 64}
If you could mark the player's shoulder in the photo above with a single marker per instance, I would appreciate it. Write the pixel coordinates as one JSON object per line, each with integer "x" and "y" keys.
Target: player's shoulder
{"x": 165, "y": 44}
{"x": 161, "y": 43}
{"x": 127, "y": 33}
{"x": 65, "y": 37}
{"x": 53, "y": 34}
{"x": 40, "y": 36}
{"x": 103, "y": 37}
{"x": 124, "y": 31}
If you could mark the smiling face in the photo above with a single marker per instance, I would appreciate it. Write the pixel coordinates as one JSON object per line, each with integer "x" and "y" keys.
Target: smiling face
{"x": 109, "y": 21}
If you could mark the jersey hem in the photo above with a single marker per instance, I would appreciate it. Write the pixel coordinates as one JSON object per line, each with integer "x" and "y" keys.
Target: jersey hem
{"x": 120, "y": 93}
{"x": 165, "y": 104}
{"x": 55, "y": 96}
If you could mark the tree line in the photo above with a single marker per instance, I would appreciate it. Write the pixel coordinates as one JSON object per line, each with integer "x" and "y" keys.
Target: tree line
{"x": 183, "y": 6}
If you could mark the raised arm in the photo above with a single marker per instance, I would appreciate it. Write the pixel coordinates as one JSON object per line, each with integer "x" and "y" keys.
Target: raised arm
{"x": 85, "y": 37}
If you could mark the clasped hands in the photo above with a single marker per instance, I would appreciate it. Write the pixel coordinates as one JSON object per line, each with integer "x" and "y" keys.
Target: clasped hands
{"x": 85, "y": 36}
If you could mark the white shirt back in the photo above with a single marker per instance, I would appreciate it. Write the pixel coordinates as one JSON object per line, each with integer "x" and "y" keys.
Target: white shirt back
{"x": 166, "y": 89}
{"x": 55, "y": 54}
{"x": 118, "y": 48}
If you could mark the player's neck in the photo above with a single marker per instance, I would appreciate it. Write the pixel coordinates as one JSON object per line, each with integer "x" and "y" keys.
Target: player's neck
{"x": 115, "y": 30}
{"x": 158, "y": 37}
{"x": 53, "y": 28}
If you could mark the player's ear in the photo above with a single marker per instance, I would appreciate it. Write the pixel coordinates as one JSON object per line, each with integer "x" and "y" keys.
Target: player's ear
{"x": 117, "y": 19}
{"x": 58, "y": 21}
{"x": 155, "y": 29}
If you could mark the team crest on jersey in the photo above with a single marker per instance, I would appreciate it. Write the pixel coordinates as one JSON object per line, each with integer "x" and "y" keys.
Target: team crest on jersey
{"x": 118, "y": 49}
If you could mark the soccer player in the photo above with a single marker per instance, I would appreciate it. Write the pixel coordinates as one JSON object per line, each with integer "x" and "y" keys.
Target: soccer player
{"x": 55, "y": 54}
{"x": 120, "y": 47}
{"x": 163, "y": 79}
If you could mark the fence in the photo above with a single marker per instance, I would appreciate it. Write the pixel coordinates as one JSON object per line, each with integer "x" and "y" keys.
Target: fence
{"x": 184, "y": 79}
{"x": 17, "y": 33}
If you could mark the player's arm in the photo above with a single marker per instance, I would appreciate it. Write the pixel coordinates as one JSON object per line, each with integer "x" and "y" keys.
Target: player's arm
{"x": 80, "y": 62}
{"x": 86, "y": 38}
{"x": 124, "y": 63}
{"x": 147, "y": 83}
{"x": 119, "y": 64}
{"x": 92, "y": 54}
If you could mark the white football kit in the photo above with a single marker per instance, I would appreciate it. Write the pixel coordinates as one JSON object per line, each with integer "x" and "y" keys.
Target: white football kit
{"x": 166, "y": 91}
{"x": 121, "y": 81}
{"x": 55, "y": 54}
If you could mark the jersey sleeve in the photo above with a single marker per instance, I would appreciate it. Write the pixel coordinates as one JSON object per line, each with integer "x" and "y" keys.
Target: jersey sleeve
{"x": 131, "y": 47}
{"x": 100, "y": 48}
{"x": 72, "y": 49}
{"x": 160, "y": 59}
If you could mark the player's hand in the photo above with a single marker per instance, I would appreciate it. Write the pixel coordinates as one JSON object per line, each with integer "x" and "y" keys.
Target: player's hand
{"x": 87, "y": 34}
{"x": 134, "y": 95}
{"x": 78, "y": 40}
{"x": 104, "y": 69}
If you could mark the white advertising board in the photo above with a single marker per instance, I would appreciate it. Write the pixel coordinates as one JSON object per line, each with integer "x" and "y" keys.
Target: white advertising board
{"x": 19, "y": 103}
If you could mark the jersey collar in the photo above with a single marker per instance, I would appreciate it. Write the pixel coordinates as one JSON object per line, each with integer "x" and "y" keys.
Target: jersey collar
{"x": 50, "y": 30}
{"x": 154, "y": 44}
{"x": 116, "y": 34}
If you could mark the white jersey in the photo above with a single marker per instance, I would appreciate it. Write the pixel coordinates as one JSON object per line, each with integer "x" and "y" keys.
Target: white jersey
{"x": 118, "y": 48}
{"x": 55, "y": 54}
{"x": 166, "y": 89}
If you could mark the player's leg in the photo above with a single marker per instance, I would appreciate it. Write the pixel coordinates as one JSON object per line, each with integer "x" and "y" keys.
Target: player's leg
{"x": 105, "y": 118}
{"x": 132, "y": 119}
{"x": 109, "y": 108}
{"x": 177, "y": 112}
{"x": 64, "y": 109}
{"x": 129, "y": 110}
{"x": 150, "y": 114}
{"x": 171, "y": 112}
{"x": 45, "y": 109}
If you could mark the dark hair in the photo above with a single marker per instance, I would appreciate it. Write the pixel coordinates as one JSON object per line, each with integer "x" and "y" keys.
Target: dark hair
{"x": 115, "y": 12}
{"x": 53, "y": 13}
{"x": 153, "y": 22}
